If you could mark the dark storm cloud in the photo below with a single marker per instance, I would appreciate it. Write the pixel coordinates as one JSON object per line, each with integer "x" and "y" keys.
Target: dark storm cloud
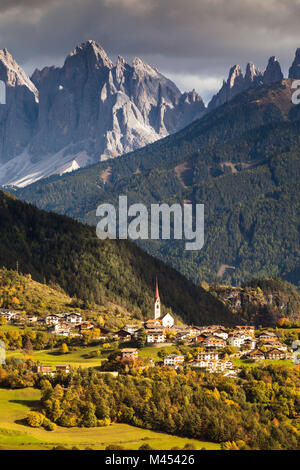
{"x": 186, "y": 39}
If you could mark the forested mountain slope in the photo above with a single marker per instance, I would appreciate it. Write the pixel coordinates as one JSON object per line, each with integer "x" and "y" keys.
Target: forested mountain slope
{"x": 241, "y": 160}
{"x": 56, "y": 249}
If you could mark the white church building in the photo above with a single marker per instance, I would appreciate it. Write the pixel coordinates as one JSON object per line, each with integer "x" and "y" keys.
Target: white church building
{"x": 167, "y": 321}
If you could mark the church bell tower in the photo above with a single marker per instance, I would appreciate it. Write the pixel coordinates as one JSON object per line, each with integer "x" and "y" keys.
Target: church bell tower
{"x": 156, "y": 303}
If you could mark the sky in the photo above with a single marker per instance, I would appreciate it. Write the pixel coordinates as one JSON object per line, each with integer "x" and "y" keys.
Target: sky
{"x": 193, "y": 42}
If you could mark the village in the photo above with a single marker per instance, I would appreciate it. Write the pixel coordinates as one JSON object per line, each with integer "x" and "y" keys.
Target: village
{"x": 214, "y": 347}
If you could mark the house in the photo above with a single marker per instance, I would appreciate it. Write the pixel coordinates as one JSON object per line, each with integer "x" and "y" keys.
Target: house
{"x": 275, "y": 345}
{"x": 247, "y": 330}
{"x": 173, "y": 360}
{"x": 74, "y": 318}
{"x": 267, "y": 336}
{"x": 153, "y": 324}
{"x": 85, "y": 326}
{"x": 214, "y": 366}
{"x": 275, "y": 354}
{"x": 249, "y": 343}
{"x": 183, "y": 336}
{"x": 40, "y": 369}
{"x": 131, "y": 329}
{"x": 123, "y": 335}
{"x": 200, "y": 338}
{"x": 213, "y": 328}
{"x": 53, "y": 319}
{"x": 130, "y": 353}
{"x": 235, "y": 340}
{"x": 207, "y": 356}
{"x": 167, "y": 320}
{"x": 194, "y": 331}
{"x": 156, "y": 336}
{"x": 201, "y": 364}
{"x": 220, "y": 333}
{"x": 65, "y": 368}
{"x": 221, "y": 365}
{"x": 255, "y": 355}
{"x": 62, "y": 329}
{"x": 214, "y": 342}
{"x": 8, "y": 315}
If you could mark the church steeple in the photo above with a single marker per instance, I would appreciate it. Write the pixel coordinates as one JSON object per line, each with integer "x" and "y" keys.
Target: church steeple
{"x": 156, "y": 303}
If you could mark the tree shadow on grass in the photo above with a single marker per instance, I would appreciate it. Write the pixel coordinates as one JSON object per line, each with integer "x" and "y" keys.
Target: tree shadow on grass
{"x": 27, "y": 403}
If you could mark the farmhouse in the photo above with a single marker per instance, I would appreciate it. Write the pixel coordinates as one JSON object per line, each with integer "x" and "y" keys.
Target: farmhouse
{"x": 8, "y": 315}
{"x": 153, "y": 323}
{"x": 53, "y": 319}
{"x": 207, "y": 356}
{"x": 214, "y": 342}
{"x": 74, "y": 318}
{"x": 131, "y": 329}
{"x": 86, "y": 326}
{"x": 156, "y": 336}
{"x": 235, "y": 340}
{"x": 65, "y": 368}
{"x": 40, "y": 369}
{"x": 123, "y": 335}
{"x": 173, "y": 360}
{"x": 267, "y": 337}
{"x": 246, "y": 330}
{"x": 130, "y": 353}
{"x": 275, "y": 354}
{"x": 63, "y": 329}
{"x": 255, "y": 355}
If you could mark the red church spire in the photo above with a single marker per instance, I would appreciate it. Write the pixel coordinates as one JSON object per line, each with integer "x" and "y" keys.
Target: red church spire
{"x": 156, "y": 291}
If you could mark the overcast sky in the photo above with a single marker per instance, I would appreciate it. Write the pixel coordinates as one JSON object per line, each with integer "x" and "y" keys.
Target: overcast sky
{"x": 194, "y": 42}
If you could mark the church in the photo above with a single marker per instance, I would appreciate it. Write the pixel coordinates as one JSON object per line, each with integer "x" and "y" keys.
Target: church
{"x": 167, "y": 321}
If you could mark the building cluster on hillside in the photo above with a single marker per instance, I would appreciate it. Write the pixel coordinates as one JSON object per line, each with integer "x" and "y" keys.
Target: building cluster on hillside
{"x": 214, "y": 343}
{"x": 10, "y": 316}
{"x": 64, "y": 324}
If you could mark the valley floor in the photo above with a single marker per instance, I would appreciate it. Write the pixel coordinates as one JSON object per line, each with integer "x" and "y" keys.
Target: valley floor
{"x": 15, "y": 435}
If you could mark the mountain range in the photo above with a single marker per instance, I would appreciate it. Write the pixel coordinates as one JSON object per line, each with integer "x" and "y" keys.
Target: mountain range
{"x": 61, "y": 119}
{"x": 64, "y": 118}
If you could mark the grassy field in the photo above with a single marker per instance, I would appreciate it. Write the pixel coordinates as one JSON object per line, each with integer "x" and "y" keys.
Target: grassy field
{"x": 81, "y": 357}
{"x": 15, "y": 435}
{"x": 152, "y": 352}
{"x": 242, "y": 363}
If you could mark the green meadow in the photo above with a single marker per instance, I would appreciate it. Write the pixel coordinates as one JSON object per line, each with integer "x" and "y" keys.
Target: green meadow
{"x": 16, "y": 435}
{"x": 81, "y": 357}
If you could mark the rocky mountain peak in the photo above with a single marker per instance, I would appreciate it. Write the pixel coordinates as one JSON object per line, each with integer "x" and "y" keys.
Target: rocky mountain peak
{"x": 12, "y": 74}
{"x": 88, "y": 110}
{"x": 142, "y": 68}
{"x": 235, "y": 76}
{"x": 294, "y": 71}
{"x": 252, "y": 75}
{"x": 92, "y": 53}
{"x": 192, "y": 97}
{"x": 273, "y": 71}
